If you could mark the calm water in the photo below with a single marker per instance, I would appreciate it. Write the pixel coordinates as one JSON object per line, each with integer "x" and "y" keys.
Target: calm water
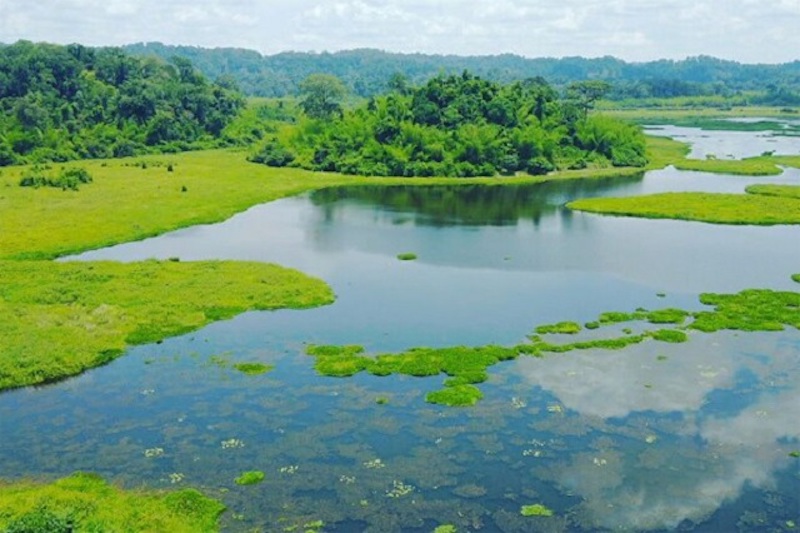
{"x": 656, "y": 437}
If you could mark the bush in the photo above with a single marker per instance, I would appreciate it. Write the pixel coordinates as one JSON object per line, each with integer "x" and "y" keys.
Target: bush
{"x": 68, "y": 178}
{"x": 274, "y": 154}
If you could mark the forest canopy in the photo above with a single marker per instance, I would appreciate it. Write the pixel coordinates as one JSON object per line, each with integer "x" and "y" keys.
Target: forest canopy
{"x": 366, "y": 72}
{"x": 59, "y": 103}
{"x": 460, "y": 126}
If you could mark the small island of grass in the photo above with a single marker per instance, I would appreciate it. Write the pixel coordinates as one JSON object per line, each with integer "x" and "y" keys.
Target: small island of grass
{"x": 85, "y": 502}
{"x": 536, "y": 509}
{"x": 253, "y": 369}
{"x": 754, "y": 209}
{"x": 252, "y": 477}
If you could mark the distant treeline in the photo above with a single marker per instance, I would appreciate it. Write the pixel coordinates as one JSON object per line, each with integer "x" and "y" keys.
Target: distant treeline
{"x": 366, "y": 72}
{"x": 59, "y": 103}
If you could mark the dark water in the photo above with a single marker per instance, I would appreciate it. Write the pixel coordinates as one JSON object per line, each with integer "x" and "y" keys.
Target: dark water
{"x": 656, "y": 437}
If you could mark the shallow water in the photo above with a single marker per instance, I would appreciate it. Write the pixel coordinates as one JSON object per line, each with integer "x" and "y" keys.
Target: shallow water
{"x": 694, "y": 436}
{"x": 729, "y": 144}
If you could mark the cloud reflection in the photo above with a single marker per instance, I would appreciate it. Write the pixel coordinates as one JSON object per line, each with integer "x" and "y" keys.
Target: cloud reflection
{"x": 685, "y": 475}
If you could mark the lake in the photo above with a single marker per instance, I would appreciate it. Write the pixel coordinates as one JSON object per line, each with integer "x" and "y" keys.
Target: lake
{"x": 695, "y": 436}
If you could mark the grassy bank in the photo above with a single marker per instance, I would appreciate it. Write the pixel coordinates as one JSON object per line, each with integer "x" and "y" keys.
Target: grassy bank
{"x": 60, "y": 319}
{"x": 83, "y": 502}
{"x": 754, "y": 209}
{"x": 131, "y": 199}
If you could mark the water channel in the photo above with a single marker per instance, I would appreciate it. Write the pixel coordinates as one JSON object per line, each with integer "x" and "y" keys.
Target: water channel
{"x": 695, "y": 436}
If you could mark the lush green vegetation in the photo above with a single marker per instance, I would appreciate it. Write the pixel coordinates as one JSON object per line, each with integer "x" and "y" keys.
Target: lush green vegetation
{"x": 569, "y": 328}
{"x": 749, "y": 310}
{"x": 756, "y": 209}
{"x": 459, "y": 126}
{"x": 252, "y": 477}
{"x": 84, "y": 502}
{"x": 751, "y": 166}
{"x": 63, "y": 318}
{"x": 700, "y": 80}
{"x": 253, "y": 369}
{"x": 536, "y": 509}
{"x": 59, "y": 103}
{"x": 782, "y": 191}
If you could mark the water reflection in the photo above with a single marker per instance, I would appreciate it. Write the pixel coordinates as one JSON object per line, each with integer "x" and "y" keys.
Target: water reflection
{"x": 718, "y": 418}
{"x": 468, "y": 205}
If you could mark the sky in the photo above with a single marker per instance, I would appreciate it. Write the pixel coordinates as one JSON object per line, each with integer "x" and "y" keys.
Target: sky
{"x": 748, "y": 31}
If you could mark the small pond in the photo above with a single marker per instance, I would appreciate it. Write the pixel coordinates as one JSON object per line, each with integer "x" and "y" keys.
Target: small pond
{"x": 694, "y": 436}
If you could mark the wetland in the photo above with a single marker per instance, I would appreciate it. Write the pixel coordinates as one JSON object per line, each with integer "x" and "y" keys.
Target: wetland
{"x": 690, "y": 429}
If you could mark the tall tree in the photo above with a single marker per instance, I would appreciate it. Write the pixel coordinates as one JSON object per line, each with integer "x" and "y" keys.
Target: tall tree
{"x": 322, "y": 95}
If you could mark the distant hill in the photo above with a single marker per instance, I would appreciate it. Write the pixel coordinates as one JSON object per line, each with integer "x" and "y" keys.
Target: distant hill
{"x": 366, "y": 72}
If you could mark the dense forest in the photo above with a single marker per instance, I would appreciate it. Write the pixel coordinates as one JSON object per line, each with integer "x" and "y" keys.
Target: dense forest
{"x": 59, "y": 103}
{"x": 454, "y": 126}
{"x": 366, "y": 72}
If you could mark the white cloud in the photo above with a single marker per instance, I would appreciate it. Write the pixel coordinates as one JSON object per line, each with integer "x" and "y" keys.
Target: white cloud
{"x": 739, "y": 29}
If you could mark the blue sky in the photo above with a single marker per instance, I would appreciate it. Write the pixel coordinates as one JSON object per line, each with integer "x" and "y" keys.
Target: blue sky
{"x": 749, "y": 31}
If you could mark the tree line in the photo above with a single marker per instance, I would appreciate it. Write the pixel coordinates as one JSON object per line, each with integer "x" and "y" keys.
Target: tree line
{"x": 454, "y": 125}
{"x": 366, "y": 72}
{"x": 59, "y": 103}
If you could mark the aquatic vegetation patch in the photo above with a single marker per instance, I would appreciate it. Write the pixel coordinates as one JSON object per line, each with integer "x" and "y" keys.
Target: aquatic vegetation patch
{"x": 748, "y": 310}
{"x": 60, "y": 319}
{"x": 751, "y": 209}
{"x": 455, "y": 396}
{"x": 253, "y": 369}
{"x": 408, "y": 256}
{"x": 445, "y": 528}
{"x": 667, "y": 316}
{"x": 536, "y": 509}
{"x": 669, "y": 335}
{"x": 568, "y": 328}
{"x": 252, "y": 477}
{"x": 85, "y": 502}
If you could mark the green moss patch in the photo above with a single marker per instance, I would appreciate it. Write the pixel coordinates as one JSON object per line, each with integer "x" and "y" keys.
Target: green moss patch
{"x": 536, "y": 509}
{"x": 84, "y": 502}
{"x": 670, "y": 335}
{"x": 253, "y": 369}
{"x": 569, "y": 328}
{"x": 60, "y": 319}
{"x": 456, "y": 396}
{"x": 252, "y": 477}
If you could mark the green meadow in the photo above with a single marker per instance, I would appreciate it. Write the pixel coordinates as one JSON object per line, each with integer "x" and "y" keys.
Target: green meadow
{"x": 63, "y": 318}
